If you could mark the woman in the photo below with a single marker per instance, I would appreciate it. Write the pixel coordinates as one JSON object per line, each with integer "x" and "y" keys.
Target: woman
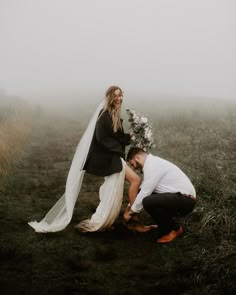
{"x": 109, "y": 141}
{"x": 100, "y": 152}
{"x": 106, "y": 157}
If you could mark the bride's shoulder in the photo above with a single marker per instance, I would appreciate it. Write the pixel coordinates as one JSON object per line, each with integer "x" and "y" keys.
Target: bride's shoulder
{"x": 104, "y": 116}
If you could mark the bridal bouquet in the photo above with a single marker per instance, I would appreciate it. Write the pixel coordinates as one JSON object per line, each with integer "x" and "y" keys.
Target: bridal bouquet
{"x": 141, "y": 129}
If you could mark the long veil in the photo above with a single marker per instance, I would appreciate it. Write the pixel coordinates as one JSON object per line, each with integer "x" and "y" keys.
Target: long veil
{"x": 110, "y": 193}
{"x": 61, "y": 213}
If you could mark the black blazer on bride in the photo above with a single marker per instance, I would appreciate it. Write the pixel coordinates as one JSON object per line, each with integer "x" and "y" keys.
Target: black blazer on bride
{"x": 107, "y": 148}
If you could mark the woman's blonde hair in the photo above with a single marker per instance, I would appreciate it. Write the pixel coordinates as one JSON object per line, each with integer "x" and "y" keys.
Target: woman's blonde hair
{"x": 112, "y": 110}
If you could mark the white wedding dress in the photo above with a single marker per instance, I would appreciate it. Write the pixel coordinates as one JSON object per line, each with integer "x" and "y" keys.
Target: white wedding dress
{"x": 110, "y": 193}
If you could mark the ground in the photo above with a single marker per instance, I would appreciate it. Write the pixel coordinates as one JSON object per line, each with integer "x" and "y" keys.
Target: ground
{"x": 118, "y": 261}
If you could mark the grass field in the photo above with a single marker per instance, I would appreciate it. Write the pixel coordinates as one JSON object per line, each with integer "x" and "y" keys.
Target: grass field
{"x": 202, "y": 261}
{"x": 15, "y": 127}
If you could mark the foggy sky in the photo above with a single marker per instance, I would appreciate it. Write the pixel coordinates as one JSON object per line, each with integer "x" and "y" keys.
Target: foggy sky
{"x": 174, "y": 47}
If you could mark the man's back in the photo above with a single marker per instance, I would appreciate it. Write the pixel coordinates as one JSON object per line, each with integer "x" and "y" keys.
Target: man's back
{"x": 168, "y": 177}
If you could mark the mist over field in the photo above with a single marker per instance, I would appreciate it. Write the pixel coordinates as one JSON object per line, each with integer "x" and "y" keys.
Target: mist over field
{"x": 81, "y": 106}
{"x": 176, "y": 63}
{"x": 167, "y": 56}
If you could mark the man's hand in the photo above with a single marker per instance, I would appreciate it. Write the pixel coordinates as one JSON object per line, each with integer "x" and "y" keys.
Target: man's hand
{"x": 128, "y": 214}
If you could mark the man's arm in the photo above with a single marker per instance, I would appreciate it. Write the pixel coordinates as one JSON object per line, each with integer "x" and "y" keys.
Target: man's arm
{"x": 147, "y": 187}
{"x": 152, "y": 176}
{"x": 151, "y": 179}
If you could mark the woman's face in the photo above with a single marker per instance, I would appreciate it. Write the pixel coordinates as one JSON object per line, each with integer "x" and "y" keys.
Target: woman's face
{"x": 118, "y": 97}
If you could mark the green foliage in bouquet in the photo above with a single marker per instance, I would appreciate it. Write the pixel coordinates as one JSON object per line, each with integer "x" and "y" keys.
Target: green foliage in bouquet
{"x": 141, "y": 129}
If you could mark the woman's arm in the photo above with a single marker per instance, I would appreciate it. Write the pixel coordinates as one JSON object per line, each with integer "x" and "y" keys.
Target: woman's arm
{"x": 126, "y": 139}
{"x": 105, "y": 135}
{"x": 123, "y": 138}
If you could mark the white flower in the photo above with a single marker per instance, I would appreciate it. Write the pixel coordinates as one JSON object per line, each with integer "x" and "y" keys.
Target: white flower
{"x": 144, "y": 120}
{"x": 135, "y": 117}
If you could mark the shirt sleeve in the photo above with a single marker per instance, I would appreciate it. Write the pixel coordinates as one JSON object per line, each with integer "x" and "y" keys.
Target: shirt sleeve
{"x": 151, "y": 179}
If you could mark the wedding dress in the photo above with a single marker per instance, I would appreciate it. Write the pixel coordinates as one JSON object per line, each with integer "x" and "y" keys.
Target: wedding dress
{"x": 110, "y": 193}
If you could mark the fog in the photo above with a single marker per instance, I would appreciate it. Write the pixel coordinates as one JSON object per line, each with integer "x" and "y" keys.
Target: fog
{"x": 67, "y": 52}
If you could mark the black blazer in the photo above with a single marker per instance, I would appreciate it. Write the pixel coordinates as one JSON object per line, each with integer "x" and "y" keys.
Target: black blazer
{"x": 107, "y": 148}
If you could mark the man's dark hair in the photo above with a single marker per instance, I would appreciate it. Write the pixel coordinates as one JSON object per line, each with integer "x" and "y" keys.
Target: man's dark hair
{"x": 133, "y": 152}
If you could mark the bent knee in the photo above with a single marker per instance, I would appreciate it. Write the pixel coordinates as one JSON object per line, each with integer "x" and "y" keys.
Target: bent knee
{"x": 146, "y": 203}
{"x": 137, "y": 180}
{"x": 132, "y": 177}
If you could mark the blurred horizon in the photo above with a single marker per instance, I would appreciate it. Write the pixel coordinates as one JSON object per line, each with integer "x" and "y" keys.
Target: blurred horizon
{"x": 81, "y": 106}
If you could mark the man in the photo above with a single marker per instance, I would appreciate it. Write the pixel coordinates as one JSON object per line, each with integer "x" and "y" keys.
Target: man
{"x": 166, "y": 192}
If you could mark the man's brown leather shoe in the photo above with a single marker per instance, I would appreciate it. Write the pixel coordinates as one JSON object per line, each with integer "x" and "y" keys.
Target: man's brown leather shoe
{"x": 171, "y": 236}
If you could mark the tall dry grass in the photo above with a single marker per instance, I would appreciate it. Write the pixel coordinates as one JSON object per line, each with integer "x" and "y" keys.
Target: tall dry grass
{"x": 15, "y": 128}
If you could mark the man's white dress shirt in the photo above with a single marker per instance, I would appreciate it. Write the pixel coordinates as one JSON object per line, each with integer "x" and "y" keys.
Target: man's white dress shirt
{"x": 161, "y": 176}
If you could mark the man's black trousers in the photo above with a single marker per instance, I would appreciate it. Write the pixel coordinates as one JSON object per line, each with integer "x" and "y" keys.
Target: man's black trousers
{"x": 164, "y": 207}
